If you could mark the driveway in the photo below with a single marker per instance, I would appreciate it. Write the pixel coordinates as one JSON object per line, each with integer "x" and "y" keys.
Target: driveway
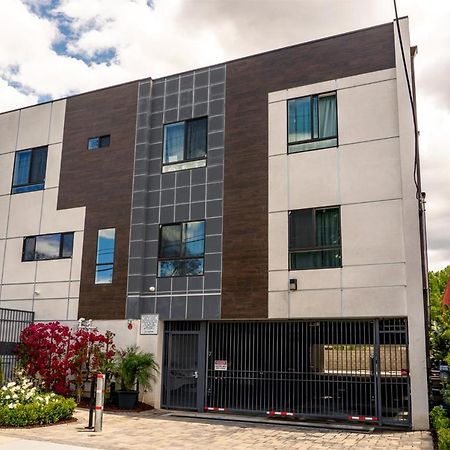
{"x": 150, "y": 430}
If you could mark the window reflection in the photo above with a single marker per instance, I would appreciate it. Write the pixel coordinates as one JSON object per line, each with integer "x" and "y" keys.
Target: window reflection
{"x": 48, "y": 246}
{"x": 105, "y": 256}
{"x": 181, "y": 249}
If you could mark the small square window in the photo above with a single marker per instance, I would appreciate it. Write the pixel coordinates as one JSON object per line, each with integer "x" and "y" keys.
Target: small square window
{"x": 181, "y": 249}
{"x": 315, "y": 238}
{"x": 185, "y": 144}
{"x": 98, "y": 142}
{"x": 29, "y": 170}
{"x": 312, "y": 123}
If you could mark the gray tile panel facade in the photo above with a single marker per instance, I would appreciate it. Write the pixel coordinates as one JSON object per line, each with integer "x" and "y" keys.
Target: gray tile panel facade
{"x": 184, "y": 195}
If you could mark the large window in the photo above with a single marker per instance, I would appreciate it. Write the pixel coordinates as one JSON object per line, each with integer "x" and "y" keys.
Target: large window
{"x": 185, "y": 144}
{"x": 29, "y": 170}
{"x": 47, "y": 246}
{"x": 314, "y": 238}
{"x": 181, "y": 249}
{"x": 312, "y": 123}
{"x": 104, "y": 266}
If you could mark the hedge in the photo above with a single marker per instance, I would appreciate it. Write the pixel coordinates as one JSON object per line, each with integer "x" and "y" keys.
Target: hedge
{"x": 36, "y": 413}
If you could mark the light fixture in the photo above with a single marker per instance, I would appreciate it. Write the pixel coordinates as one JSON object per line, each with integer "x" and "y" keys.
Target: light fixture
{"x": 152, "y": 289}
{"x": 293, "y": 284}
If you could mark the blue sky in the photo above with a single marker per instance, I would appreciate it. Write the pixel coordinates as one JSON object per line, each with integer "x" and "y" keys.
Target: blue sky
{"x": 54, "y": 48}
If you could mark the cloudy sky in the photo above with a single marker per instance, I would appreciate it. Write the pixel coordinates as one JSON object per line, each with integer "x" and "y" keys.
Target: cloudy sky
{"x": 54, "y": 48}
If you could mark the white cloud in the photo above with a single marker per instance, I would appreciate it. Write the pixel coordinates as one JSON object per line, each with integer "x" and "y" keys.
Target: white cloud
{"x": 11, "y": 98}
{"x": 177, "y": 35}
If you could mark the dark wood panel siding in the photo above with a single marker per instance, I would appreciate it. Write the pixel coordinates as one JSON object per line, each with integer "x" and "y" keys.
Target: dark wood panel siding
{"x": 101, "y": 180}
{"x": 249, "y": 80}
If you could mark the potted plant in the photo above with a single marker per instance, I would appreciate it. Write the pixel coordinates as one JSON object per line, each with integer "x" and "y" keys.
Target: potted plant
{"x": 133, "y": 369}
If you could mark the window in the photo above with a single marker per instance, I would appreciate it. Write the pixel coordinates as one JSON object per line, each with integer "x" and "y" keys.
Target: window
{"x": 104, "y": 266}
{"x": 47, "y": 246}
{"x": 181, "y": 249}
{"x": 185, "y": 144}
{"x": 312, "y": 123}
{"x": 314, "y": 238}
{"x": 29, "y": 170}
{"x": 99, "y": 142}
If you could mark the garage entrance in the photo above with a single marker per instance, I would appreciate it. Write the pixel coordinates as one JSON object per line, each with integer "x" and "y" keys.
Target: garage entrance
{"x": 339, "y": 369}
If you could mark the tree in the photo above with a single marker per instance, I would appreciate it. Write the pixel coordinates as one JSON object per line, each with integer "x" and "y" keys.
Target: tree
{"x": 437, "y": 282}
{"x": 440, "y": 317}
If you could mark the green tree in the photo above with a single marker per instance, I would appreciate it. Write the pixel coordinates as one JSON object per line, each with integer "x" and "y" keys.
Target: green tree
{"x": 440, "y": 317}
{"x": 437, "y": 282}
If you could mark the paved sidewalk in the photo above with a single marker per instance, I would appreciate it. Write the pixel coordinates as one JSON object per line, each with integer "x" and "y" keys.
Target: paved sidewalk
{"x": 150, "y": 430}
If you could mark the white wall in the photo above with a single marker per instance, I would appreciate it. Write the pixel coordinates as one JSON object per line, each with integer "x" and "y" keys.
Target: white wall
{"x": 363, "y": 176}
{"x": 125, "y": 337}
{"x": 370, "y": 175}
{"x": 50, "y": 288}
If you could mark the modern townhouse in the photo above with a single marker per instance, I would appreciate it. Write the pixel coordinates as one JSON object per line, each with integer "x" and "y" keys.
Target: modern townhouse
{"x": 262, "y": 213}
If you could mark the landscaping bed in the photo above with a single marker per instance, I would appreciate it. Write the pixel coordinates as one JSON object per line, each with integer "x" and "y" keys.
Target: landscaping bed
{"x": 109, "y": 407}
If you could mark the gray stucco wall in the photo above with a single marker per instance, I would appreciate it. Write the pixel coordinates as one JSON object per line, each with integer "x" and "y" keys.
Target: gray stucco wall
{"x": 185, "y": 195}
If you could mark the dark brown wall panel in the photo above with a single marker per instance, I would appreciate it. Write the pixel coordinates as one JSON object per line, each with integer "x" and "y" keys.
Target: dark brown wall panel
{"x": 101, "y": 180}
{"x": 249, "y": 80}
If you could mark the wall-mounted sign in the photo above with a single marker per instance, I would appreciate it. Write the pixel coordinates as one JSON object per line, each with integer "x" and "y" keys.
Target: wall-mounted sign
{"x": 221, "y": 364}
{"x": 149, "y": 323}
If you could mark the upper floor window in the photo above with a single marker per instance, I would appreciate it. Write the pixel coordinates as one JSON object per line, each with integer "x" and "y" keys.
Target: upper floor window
{"x": 181, "y": 249}
{"x": 47, "y": 246}
{"x": 314, "y": 238}
{"x": 104, "y": 264}
{"x": 98, "y": 142}
{"x": 29, "y": 170}
{"x": 312, "y": 122}
{"x": 185, "y": 142}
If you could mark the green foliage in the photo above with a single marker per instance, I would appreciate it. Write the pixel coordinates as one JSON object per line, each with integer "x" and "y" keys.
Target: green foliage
{"x": 21, "y": 404}
{"x": 439, "y": 418}
{"x": 133, "y": 366}
{"x": 443, "y": 438}
{"x": 437, "y": 282}
{"x": 440, "y": 318}
{"x": 37, "y": 412}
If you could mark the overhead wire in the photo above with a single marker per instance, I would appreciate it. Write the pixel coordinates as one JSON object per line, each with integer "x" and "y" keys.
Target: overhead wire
{"x": 413, "y": 107}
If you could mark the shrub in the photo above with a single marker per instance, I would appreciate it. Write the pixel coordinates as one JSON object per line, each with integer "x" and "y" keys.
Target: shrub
{"x": 45, "y": 411}
{"x": 443, "y": 435}
{"x": 21, "y": 404}
{"x": 59, "y": 357}
{"x": 439, "y": 418}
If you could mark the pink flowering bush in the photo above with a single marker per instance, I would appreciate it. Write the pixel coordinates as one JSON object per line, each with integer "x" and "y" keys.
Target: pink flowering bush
{"x": 59, "y": 357}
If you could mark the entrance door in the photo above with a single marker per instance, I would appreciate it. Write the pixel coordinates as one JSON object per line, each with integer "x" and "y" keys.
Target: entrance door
{"x": 183, "y": 366}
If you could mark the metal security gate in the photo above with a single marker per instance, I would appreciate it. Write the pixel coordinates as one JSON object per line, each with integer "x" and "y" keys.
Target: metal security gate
{"x": 12, "y": 322}
{"x": 343, "y": 369}
{"x": 184, "y": 365}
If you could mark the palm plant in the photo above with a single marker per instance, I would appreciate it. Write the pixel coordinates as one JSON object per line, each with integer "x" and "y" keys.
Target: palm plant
{"x": 135, "y": 368}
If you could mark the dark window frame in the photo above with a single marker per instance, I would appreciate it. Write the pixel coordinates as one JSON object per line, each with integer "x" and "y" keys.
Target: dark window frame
{"x": 185, "y": 160}
{"x": 315, "y": 247}
{"x": 40, "y": 184}
{"x": 100, "y": 138}
{"x": 180, "y": 258}
{"x": 61, "y": 246}
{"x": 113, "y": 264}
{"x": 308, "y": 141}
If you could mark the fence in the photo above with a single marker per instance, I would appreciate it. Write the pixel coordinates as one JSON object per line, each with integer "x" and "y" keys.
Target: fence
{"x": 12, "y": 322}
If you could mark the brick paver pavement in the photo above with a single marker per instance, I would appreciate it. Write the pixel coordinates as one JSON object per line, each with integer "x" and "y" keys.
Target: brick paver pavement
{"x": 151, "y": 430}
